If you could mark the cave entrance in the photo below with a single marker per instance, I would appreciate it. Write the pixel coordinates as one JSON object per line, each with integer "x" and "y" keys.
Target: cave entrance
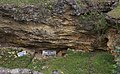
{"x": 103, "y": 44}
{"x": 100, "y": 44}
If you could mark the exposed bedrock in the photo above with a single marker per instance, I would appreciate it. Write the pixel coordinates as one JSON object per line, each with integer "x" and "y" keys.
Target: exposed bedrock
{"x": 67, "y": 25}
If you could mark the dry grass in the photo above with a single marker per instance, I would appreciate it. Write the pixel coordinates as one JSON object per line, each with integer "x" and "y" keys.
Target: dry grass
{"x": 115, "y": 13}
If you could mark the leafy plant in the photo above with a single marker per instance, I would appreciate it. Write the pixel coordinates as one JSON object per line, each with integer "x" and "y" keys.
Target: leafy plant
{"x": 97, "y": 20}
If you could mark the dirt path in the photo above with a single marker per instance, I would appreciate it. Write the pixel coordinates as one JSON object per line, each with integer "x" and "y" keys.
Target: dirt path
{"x": 90, "y": 63}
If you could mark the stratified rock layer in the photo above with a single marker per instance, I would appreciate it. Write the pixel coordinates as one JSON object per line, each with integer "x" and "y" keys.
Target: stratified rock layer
{"x": 63, "y": 27}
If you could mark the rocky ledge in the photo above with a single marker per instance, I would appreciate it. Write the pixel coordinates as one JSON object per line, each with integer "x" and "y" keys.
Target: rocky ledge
{"x": 67, "y": 25}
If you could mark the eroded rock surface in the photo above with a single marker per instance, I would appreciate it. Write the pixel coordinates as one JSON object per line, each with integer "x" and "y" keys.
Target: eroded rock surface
{"x": 68, "y": 25}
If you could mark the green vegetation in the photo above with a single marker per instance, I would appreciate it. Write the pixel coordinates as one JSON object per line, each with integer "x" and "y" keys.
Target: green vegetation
{"x": 19, "y": 1}
{"x": 9, "y": 59}
{"x": 117, "y": 59}
{"x": 79, "y": 63}
{"x": 72, "y": 63}
{"x": 103, "y": 63}
{"x": 115, "y": 13}
{"x": 96, "y": 20}
{"x": 28, "y": 2}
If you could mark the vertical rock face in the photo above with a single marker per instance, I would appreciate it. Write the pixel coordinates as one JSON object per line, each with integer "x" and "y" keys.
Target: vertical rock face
{"x": 112, "y": 37}
{"x": 68, "y": 25}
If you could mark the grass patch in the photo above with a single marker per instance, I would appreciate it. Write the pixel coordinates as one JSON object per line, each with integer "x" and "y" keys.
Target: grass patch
{"x": 73, "y": 63}
{"x": 115, "y": 13}
{"x": 45, "y": 3}
{"x": 78, "y": 63}
{"x": 9, "y": 59}
{"x": 103, "y": 63}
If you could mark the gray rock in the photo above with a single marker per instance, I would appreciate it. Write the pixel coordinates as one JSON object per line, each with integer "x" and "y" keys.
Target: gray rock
{"x": 15, "y": 71}
{"x": 18, "y": 71}
{"x": 4, "y": 71}
{"x": 56, "y": 72}
{"x": 35, "y": 72}
{"x": 26, "y": 71}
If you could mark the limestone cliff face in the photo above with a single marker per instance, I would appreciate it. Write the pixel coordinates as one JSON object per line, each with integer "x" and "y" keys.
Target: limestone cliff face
{"x": 67, "y": 25}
